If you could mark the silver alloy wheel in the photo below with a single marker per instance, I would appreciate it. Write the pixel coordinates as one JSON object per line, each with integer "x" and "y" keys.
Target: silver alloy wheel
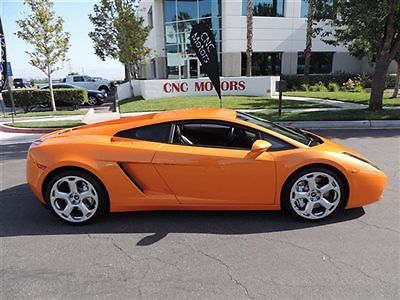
{"x": 92, "y": 101}
{"x": 315, "y": 195}
{"x": 74, "y": 199}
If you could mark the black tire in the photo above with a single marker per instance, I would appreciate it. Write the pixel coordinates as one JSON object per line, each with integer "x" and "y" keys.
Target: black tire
{"x": 341, "y": 198}
{"x": 104, "y": 88}
{"x": 92, "y": 101}
{"x": 100, "y": 192}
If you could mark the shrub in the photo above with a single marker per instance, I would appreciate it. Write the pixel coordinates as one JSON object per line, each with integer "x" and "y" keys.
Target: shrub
{"x": 333, "y": 87}
{"x": 304, "y": 87}
{"x": 294, "y": 82}
{"x": 358, "y": 89}
{"x": 349, "y": 85}
{"x": 28, "y": 98}
{"x": 390, "y": 82}
{"x": 319, "y": 87}
{"x": 70, "y": 97}
{"x": 353, "y": 86}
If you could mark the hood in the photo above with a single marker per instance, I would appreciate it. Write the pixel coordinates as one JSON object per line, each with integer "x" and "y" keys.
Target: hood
{"x": 331, "y": 146}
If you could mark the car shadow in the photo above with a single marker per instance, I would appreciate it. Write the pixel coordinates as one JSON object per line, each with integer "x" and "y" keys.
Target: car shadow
{"x": 21, "y": 214}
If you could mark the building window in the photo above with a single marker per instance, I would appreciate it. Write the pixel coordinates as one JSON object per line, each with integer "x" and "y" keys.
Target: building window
{"x": 263, "y": 63}
{"x": 320, "y": 63}
{"x": 150, "y": 18}
{"x": 326, "y": 9}
{"x": 179, "y": 17}
{"x": 265, "y": 8}
{"x": 153, "y": 68}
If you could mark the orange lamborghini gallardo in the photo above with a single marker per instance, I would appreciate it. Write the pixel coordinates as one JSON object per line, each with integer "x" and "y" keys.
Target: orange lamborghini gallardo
{"x": 197, "y": 159}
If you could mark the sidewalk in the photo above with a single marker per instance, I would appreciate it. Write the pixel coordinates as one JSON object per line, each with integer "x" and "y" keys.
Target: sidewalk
{"x": 337, "y": 103}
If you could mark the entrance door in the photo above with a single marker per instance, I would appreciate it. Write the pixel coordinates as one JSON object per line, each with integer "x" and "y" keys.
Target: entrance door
{"x": 191, "y": 67}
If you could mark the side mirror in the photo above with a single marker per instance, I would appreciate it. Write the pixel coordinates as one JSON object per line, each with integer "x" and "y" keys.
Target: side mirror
{"x": 260, "y": 146}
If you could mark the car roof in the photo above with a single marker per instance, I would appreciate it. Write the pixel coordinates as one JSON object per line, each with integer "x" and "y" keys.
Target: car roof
{"x": 196, "y": 113}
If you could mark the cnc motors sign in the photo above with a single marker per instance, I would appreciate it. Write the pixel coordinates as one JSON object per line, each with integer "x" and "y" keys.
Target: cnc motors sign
{"x": 202, "y": 86}
{"x": 230, "y": 86}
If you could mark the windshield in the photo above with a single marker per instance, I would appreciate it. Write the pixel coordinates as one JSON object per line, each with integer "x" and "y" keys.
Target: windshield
{"x": 295, "y": 134}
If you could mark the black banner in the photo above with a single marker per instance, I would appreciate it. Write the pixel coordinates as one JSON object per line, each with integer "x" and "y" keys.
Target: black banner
{"x": 3, "y": 65}
{"x": 203, "y": 43}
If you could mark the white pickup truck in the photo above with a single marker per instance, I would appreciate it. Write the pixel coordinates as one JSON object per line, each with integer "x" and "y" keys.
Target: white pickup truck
{"x": 88, "y": 83}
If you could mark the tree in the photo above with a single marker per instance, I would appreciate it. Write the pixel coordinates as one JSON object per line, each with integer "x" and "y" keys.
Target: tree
{"x": 119, "y": 34}
{"x": 397, "y": 79}
{"x": 44, "y": 31}
{"x": 371, "y": 28}
{"x": 249, "y": 48}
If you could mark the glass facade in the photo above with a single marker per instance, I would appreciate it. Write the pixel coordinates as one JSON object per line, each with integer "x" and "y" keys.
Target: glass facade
{"x": 320, "y": 62}
{"x": 263, "y": 63}
{"x": 326, "y": 9}
{"x": 179, "y": 16}
{"x": 266, "y": 8}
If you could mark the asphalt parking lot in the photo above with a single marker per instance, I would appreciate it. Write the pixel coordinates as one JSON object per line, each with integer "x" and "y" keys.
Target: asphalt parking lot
{"x": 204, "y": 255}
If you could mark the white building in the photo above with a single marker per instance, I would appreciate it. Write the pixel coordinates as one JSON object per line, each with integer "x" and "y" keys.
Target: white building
{"x": 278, "y": 43}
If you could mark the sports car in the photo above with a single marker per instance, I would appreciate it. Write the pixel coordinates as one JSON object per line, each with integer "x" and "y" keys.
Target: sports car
{"x": 197, "y": 159}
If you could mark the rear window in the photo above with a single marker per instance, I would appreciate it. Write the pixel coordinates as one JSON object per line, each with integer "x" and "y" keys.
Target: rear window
{"x": 153, "y": 133}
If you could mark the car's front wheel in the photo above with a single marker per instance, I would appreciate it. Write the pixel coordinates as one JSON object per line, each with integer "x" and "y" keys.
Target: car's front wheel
{"x": 314, "y": 194}
{"x": 76, "y": 197}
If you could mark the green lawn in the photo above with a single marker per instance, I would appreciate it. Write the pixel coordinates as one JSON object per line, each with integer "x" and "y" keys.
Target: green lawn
{"x": 234, "y": 102}
{"x": 339, "y": 115}
{"x": 49, "y": 113}
{"x": 361, "y": 98}
{"x": 47, "y": 124}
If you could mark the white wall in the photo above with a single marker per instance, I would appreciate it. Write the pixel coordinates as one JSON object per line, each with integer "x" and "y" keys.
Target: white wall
{"x": 271, "y": 34}
{"x": 156, "y": 39}
{"x": 240, "y": 86}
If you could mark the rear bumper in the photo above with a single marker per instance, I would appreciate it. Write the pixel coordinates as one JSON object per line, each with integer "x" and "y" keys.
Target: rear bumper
{"x": 367, "y": 186}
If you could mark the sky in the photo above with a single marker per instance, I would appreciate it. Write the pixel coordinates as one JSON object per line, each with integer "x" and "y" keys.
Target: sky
{"x": 81, "y": 54}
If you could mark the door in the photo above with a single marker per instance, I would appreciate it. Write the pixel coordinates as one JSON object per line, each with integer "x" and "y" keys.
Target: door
{"x": 211, "y": 163}
{"x": 191, "y": 67}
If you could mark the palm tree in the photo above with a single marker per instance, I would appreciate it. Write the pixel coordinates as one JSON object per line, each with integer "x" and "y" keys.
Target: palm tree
{"x": 397, "y": 79}
{"x": 249, "y": 50}
{"x": 309, "y": 36}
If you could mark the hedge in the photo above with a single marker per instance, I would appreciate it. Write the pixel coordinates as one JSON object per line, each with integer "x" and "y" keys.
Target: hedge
{"x": 28, "y": 98}
{"x": 294, "y": 82}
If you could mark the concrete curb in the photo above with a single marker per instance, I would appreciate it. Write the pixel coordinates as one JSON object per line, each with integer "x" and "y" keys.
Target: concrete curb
{"x": 10, "y": 129}
{"x": 363, "y": 124}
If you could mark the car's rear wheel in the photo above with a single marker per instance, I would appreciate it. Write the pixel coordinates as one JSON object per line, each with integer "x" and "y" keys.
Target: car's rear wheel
{"x": 76, "y": 197}
{"x": 314, "y": 194}
{"x": 104, "y": 90}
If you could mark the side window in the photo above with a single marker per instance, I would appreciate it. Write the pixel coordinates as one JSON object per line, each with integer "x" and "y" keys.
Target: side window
{"x": 277, "y": 144}
{"x": 153, "y": 133}
{"x": 213, "y": 135}
{"x": 78, "y": 79}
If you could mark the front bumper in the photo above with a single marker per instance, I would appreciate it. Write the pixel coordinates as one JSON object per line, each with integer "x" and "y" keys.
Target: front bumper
{"x": 34, "y": 177}
{"x": 366, "y": 187}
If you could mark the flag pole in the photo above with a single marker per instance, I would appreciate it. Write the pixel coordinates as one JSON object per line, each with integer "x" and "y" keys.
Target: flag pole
{"x": 5, "y": 79}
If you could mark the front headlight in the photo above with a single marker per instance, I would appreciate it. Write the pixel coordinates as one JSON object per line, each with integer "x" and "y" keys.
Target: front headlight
{"x": 361, "y": 159}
